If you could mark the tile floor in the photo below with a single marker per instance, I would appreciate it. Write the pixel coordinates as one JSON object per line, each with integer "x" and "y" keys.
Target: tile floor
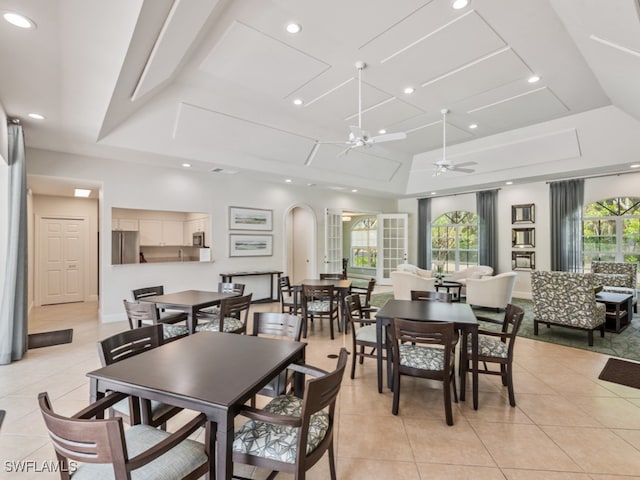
{"x": 567, "y": 425}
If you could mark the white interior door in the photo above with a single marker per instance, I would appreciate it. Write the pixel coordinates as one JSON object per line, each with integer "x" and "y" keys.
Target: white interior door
{"x": 393, "y": 244}
{"x": 332, "y": 241}
{"x": 302, "y": 244}
{"x": 61, "y": 256}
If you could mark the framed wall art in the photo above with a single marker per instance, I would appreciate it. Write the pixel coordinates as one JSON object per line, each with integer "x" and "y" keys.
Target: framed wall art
{"x": 523, "y": 213}
{"x": 524, "y": 260}
{"x": 241, "y": 218}
{"x": 250, "y": 245}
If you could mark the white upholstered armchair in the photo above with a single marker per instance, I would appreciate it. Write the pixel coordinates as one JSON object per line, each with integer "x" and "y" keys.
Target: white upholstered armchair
{"x": 492, "y": 292}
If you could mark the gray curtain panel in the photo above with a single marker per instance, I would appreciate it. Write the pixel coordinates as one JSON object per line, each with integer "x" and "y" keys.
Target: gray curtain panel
{"x": 424, "y": 233}
{"x": 13, "y": 310}
{"x": 487, "y": 208}
{"x": 566, "y": 198}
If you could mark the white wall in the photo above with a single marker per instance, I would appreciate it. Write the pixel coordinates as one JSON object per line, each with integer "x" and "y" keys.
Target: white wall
{"x": 129, "y": 185}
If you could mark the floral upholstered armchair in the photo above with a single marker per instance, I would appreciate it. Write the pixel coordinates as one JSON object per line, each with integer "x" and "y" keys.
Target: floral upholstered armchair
{"x": 617, "y": 277}
{"x": 568, "y": 300}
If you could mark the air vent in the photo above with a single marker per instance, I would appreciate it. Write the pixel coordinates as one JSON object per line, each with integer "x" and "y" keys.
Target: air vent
{"x": 217, "y": 170}
{"x": 222, "y": 170}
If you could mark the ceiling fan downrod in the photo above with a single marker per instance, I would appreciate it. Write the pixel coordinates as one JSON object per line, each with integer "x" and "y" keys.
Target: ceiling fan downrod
{"x": 444, "y": 112}
{"x": 360, "y": 65}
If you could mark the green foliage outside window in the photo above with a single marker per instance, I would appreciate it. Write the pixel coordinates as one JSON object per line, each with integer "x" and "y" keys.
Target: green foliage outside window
{"x": 454, "y": 241}
{"x": 364, "y": 239}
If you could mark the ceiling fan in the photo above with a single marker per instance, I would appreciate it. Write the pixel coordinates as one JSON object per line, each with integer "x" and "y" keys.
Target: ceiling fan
{"x": 444, "y": 165}
{"x": 357, "y": 136}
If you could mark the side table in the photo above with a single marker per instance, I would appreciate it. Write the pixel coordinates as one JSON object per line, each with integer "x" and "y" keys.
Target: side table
{"x": 619, "y": 310}
{"x": 454, "y": 288}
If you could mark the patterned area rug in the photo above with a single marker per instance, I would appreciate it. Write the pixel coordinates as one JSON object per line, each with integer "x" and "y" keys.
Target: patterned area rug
{"x": 624, "y": 345}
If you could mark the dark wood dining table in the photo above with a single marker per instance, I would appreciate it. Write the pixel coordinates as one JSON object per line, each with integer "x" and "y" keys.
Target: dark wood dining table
{"x": 343, "y": 288}
{"x": 211, "y": 372}
{"x": 460, "y": 314}
{"x": 190, "y": 301}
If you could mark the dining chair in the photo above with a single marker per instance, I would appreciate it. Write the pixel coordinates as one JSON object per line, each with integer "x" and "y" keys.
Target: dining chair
{"x": 276, "y": 325}
{"x": 288, "y": 301}
{"x": 128, "y": 344}
{"x": 165, "y": 316}
{"x": 211, "y": 313}
{"x": 425, "y": 350}
{"x": 497, "y": 347}
{"x": 365, "y": 293}
{"x": 145, "y": 313}
{"x": 234, "y": 312}
{"x": 292, "y": 434}
{"x": 333, "y": 276}
{"x": 103, "y": 448}
{"x": 431, "y": 296}
{"x": 319, "y": 301}
{"x": 363, "y": 331}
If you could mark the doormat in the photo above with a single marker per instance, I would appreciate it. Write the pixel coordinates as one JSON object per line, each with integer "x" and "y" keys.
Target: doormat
{"x": 622, "y": 372}
{"x": 47, "y": 339}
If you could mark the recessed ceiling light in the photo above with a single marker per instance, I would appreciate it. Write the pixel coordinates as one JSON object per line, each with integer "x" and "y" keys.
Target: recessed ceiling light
{"x": 297, "y": 101}
{"x": 81, "y": 192}
{"x": 293, "y": 28}
{"x": 433, "y": 193}
{"x": 533, "y": 79}
{"x": 19, "y": 20}
{"x": 382, "y": 131}
{"x": 354, "y": 190}
{"x": 409, "y": 90}
{"x": 459, "y": 4}
{"x": 36, "y": 116}
{"x": 473, "y": 126}
{"x": 508, "y": 183}
{"x": 288, "y": 180}
{"x": 635, "y": 165}
{"x": 311, "y": 184}
{"x": 186, "y": 165}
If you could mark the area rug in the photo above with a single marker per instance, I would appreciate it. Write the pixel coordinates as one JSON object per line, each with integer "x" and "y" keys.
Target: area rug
{"x": 622, "y": 372}
{"x": 623, "y": 345}
{"x": 47, "y": 339}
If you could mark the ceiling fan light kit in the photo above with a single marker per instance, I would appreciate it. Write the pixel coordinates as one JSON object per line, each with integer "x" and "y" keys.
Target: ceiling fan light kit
{"x": 444, "y": 165}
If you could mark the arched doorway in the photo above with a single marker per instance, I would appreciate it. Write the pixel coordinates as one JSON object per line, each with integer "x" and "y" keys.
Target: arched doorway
{"x": 300, "y": 232}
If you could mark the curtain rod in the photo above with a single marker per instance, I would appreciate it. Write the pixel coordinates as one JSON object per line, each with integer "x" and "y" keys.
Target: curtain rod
{"x": 461, "y": 193}
{"x": 586, "y": 177}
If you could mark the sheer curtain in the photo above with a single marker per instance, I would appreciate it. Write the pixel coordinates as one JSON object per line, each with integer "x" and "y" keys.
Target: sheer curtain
{"x": 486, "y": 206}
{"x": 13, "y": 309}
{"x": 566, "y": 225}
{"x": 424, "y": 233}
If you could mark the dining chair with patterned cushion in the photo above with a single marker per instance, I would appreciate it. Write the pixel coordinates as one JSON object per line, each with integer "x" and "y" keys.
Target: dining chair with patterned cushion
{"x": 277, "y": 325}
{"x": 319, "y": 301}
{"x": 426, "y": 350}
{"x": 288, "y": 301}
{"x": 165, "y": 316}
{"x": 94, "y": 448}
{"x": 128, "y": 344}
{"x": 291, "y": 434}
{"x": 363, "y": 331}
{"x": 497, "y": 347}
{"x": 211, "y": 313}
{"x": 365, "y": 297}
{"x": 234, "y": 312}
{"x": 145, "y": 313}
{"x": 430, "y": 296}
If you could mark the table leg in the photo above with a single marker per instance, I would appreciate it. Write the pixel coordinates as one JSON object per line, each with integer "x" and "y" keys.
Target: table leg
{"x": 379, "y": 352}
{"x": 192, "y": 321}
{"x": 474, "y": 363}
{"x": 224, "y": 440}
{"x": 464, "y": 360}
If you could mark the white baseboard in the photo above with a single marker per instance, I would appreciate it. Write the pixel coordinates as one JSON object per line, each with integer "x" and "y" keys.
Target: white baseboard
{"x": 523, "y": 295}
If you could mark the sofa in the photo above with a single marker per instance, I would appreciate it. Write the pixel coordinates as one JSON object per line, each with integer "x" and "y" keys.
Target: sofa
{"x": 491, "y": 291}
{"x": 408, "y": 277}
{"x": 477, "y": 271}
{"x": 617, "y": 277}
{"x": 567, "y": 299}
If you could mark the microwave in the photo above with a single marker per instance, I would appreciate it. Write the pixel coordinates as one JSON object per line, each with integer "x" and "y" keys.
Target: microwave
{"x": 198, "y": 239}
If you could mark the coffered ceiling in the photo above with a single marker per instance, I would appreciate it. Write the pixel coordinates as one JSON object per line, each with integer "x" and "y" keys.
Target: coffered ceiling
{"x": 213, "y": 83}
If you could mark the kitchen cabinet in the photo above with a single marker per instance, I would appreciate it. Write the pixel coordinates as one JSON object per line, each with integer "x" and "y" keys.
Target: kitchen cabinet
{"x": 161, "y": 232}
{"x": 124, "y": 224}
{"x": 193, "y": 226}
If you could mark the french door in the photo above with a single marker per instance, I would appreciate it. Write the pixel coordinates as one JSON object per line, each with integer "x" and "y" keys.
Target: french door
{"x": 393, "y": 244}
{"x": 333, "y": 241}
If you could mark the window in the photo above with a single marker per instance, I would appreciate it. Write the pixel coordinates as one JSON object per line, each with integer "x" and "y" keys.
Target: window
{"x": 454, "y": 241}
{"x": 611, "y": 231}
{"x": 364, "y": 243}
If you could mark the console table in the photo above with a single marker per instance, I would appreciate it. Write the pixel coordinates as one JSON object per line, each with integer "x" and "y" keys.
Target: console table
{"x": 228, "y": 277}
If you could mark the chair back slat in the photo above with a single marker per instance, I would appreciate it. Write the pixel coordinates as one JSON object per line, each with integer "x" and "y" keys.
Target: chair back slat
{"x": 231, "y": 287}
{"x": 277, "y": 324}
{"x": 430, "y": 296}
{"x": 139, "y": 293}
{"x": 137, "y": 313}
{"x": 129, "y": 343}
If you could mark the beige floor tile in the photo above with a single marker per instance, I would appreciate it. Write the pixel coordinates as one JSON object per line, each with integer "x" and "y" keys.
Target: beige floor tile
{"x": 378, "y": 469}
{"x": 547, "y": 475}
{"x": 596, "y": 450}
{"x": 631, "y": 436}
{"x": 433, "y": 471}
{"x": 433, "y": 441}
{"x": 554, "y": 410}
{"x": 360, "y": 437}
{"x": 610, "y": 412}
{"x": 522, "y": 447}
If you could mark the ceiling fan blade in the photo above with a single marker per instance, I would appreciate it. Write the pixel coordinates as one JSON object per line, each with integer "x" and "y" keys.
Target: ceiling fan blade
{"x": 463, "y": 170}
{"x": 345, "y": 151}
{"x": 388, "y": 137}
{"x": 312, "y": 154}
{"x": 465, "y": 164}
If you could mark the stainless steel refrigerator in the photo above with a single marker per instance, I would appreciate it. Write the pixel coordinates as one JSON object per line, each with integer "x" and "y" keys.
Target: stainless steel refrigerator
{"x": 125, "y": 247}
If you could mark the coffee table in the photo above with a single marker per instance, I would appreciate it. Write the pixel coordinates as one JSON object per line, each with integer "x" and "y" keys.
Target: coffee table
{"x": 619, "y": 310}
{"x": 455, "y": 288}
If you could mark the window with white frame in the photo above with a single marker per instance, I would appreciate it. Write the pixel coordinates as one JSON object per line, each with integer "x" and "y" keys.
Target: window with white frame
{"x": 364, "y": 243}
{"x": 611, "y": 231}
{"x": 454, "y": 241}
